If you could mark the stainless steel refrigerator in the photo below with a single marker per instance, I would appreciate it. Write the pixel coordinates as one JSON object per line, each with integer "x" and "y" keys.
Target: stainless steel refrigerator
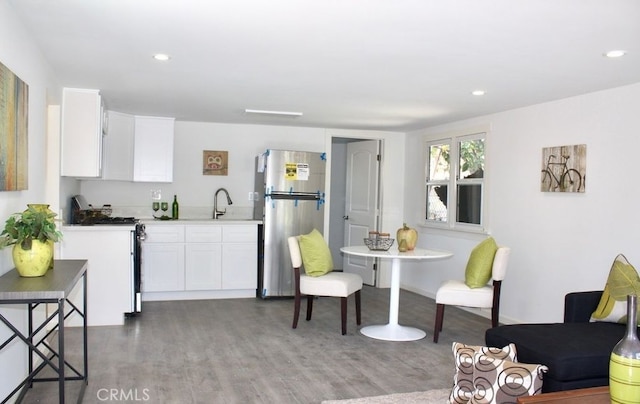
{"x": 289, "y": 199}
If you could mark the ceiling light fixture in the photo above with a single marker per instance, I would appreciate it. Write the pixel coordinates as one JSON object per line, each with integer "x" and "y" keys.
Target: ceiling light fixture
{"x": 615, "y": 53}
{"x": 478, "y": 92}
{"x": 266, "y": 112}
{"x": 163, "y": 57}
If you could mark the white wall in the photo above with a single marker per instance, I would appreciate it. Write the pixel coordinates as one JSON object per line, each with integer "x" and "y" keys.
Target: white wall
{"x": 560, "y": 242}
{"x": 19, "y": 53}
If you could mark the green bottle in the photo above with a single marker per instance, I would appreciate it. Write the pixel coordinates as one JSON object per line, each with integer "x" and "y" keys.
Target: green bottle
{"x": 174, "y": 208}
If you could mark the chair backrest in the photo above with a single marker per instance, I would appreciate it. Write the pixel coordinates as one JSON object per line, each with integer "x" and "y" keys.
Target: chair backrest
{"x": 500, "y": 261}
{"x": 294, "y": 252}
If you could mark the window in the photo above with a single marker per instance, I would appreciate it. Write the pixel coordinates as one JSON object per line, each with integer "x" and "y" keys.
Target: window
{"x": 455, "y": 182}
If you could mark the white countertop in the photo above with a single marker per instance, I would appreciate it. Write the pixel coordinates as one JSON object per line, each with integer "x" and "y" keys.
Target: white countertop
{"x": 150, "y": 221}
{"x": 221, "y": 222}
{"x": 97, "y": 227}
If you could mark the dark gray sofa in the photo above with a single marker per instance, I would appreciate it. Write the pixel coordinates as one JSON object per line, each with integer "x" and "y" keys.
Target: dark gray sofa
{"x": 576, "y": 351}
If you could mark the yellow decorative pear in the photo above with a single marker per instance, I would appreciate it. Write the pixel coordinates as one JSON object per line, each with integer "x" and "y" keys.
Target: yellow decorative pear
{"x": 408, "y": 235}
{"x": 402, "y": 246}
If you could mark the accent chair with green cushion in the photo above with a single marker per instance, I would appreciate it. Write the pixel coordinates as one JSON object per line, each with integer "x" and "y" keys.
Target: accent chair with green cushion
{"x": 460, "y": 293}
{"x": 322, "y": 281}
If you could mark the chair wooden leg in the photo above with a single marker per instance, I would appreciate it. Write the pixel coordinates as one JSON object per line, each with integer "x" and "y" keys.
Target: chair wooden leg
{"x": 309, "y": 306}
{"x": 343, "y": 314}
{"x": 495, "y": 309}
{"x": 296, "y": 310}
{"x": 358, "y": 316}
{"x": 439, "y": 320}
{"x": 495, "y": 315}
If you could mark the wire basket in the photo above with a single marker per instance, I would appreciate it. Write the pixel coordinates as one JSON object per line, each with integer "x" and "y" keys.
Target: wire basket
{"x": 379, "y": 243}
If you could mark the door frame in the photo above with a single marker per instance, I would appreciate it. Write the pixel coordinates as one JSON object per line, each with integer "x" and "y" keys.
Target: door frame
{"x": 335, "y": 222}
{"x": 392, "y": 186}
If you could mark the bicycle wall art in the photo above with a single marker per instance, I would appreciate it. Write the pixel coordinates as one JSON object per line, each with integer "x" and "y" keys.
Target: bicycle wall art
{"x": 564, "y": 168}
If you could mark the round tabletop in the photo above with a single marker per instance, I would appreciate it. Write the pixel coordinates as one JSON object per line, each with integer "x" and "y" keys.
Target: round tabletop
{"x": 416, "y": 254}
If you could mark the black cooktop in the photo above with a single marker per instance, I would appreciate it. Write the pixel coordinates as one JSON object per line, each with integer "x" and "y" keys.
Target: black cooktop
{"x": 116, "y": 220}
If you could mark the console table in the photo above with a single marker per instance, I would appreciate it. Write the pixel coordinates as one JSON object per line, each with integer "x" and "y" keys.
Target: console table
{"x": 53, "y": 288}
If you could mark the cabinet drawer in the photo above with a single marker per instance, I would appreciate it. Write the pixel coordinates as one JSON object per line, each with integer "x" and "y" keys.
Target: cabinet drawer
{"x": 239, "y": 234}
{"x": 164, "y": 234}
{"x": 203, "y": 234}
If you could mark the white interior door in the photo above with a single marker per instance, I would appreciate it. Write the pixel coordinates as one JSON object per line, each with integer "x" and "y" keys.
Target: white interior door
{"x": 361, "y": 203}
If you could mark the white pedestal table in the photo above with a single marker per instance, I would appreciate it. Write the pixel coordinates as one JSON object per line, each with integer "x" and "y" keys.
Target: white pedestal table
{"x": 394, "y": 331}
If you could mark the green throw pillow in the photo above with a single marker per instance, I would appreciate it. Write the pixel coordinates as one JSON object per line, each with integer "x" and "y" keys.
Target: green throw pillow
{"x": 623, "y": 280}
{"x": 316, "y": 255}
{"x": 479, "y": 266}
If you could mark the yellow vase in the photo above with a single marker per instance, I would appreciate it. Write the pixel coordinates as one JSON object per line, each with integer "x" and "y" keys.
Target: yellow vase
{"x": 624, "y": 365}
{"x": 34, "y": 262}
{"x": 624, "y": 379}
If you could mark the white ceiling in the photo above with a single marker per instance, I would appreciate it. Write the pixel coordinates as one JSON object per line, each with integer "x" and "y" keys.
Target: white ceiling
{"x": 369, "y": 64}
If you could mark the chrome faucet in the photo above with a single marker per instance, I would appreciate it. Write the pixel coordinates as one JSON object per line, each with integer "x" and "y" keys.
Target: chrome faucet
{"x": 217, "y": 213}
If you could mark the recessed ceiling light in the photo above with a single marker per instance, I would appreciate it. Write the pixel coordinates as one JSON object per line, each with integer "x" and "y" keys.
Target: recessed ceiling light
{"x": 478, "y": 92}
{"x": 267, "y": 112}
{"x": 162, "y": 57}
{"x": 615, "y": 53}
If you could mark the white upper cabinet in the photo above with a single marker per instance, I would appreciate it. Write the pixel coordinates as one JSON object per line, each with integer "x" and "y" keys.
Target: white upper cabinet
{"x": 138, "y": 148}
{"x": 153, "y": 149}
{"x": 118, "y": 147}
{"x": 81, "y": 139}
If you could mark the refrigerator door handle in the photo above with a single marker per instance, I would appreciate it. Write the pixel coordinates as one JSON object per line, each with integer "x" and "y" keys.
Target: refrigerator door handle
{"x": 294, "y": 195}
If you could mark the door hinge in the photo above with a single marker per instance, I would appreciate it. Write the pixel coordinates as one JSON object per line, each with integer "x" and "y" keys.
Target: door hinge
{"x": 378, "y": 157}
{"x": 375, "y": 267}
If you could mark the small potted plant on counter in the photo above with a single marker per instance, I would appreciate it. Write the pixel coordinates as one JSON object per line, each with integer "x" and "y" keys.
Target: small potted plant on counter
{"x": 32, "y": 234}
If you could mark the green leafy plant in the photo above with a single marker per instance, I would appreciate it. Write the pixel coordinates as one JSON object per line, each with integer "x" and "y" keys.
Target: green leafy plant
{"x": 32, "y": 224}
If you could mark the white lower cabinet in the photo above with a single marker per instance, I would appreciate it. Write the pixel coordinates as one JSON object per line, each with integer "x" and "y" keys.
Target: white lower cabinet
{"x": 239, "y": 266}
{"x": 204, "y": 261}
{"x": 163, "y": 267}
{"x": 199, "y": 261}
{"x": 109, "y": 251}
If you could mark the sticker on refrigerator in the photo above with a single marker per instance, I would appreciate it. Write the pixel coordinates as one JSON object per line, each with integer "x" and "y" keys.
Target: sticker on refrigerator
{"x": 296, "y": 171}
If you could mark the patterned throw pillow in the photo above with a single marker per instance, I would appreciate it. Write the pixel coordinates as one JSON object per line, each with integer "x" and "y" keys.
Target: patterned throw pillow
{"x": 464, "y": 359}
{"x": 623, "y": 280}
{"x": 498, "y": 381}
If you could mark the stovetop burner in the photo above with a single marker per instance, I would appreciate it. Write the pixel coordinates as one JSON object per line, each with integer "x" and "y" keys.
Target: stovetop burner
{"x": 116, "y": 220}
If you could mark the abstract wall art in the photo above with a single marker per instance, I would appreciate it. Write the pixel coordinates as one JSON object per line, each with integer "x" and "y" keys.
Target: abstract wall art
{"x": 14, "y": 103}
